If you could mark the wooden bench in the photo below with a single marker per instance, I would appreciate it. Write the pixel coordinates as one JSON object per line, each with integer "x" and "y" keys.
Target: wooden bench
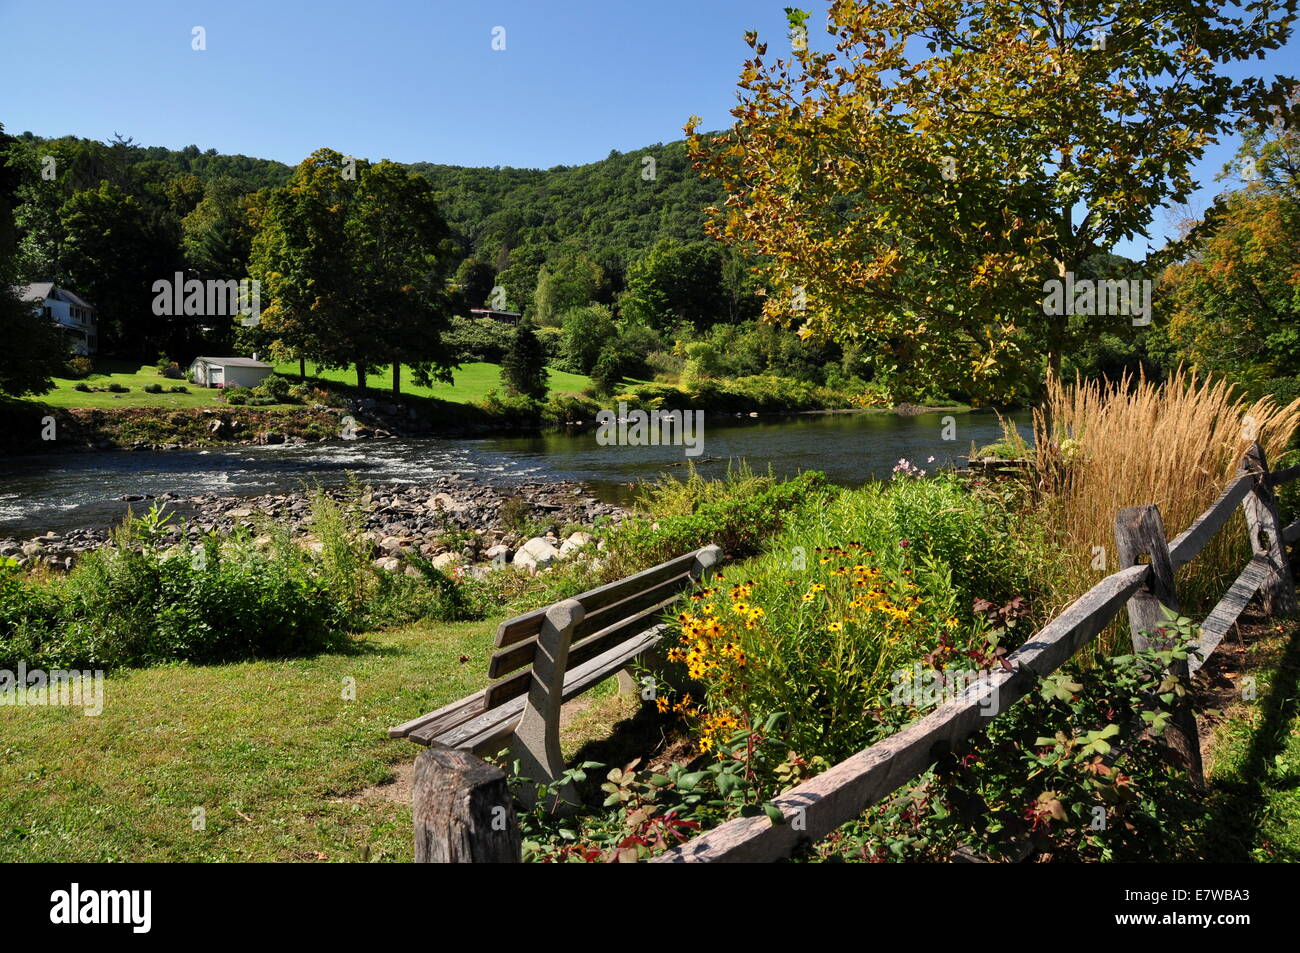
{"x": 550, "y": 655}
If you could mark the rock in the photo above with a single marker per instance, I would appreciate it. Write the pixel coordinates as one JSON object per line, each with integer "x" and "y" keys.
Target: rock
{"x": 33, "y": 548}
{"x": 575, "y": 542}
{"x": 390, "y": 543}
{"x": 444, "y": 502}
{"x": 445, "y": 561}
{"x": 497, "y": 554}
{"x": 536, "y": 554}
{"x": 388, "y": 563}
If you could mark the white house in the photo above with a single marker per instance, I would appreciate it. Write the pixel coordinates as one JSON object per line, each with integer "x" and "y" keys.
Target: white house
{"x": 69, "y": 310}
{"x": 228, "y": 371}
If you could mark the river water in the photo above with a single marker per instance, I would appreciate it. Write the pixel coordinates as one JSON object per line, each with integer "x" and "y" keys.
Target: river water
{"x": 62, "y": 491}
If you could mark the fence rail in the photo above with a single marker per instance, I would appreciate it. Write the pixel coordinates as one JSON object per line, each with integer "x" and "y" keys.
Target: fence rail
{"x": 822, "y": 804}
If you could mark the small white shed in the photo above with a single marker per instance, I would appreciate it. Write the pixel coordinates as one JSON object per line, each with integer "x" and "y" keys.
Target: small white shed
{"x": 228, "y": 371}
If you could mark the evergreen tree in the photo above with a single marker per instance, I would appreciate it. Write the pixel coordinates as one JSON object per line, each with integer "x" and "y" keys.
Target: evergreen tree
{"x": 523, "y": 370}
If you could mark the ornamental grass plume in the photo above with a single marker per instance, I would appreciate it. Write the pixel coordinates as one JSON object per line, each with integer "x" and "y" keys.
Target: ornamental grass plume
{"x": 1100, "y": 446}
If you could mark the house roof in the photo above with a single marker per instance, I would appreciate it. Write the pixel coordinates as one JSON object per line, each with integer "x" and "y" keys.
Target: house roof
{"x": 43, "y": 290}
{"x": 233, "y": 362}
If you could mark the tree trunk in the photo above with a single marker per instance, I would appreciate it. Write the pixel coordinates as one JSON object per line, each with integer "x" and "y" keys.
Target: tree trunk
{"x": 361, "y": 376}
{"x": 302, "y": 368}
{"x": 397, "y": 380}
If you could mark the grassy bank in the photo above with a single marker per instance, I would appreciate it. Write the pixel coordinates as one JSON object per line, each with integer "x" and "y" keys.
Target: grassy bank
{"x": 1254, "y": 767}
{"x": 269, "y": 750}
{"x": 470, "y": 382}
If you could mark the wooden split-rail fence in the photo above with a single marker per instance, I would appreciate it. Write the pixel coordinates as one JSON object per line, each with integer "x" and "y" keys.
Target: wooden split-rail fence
{"x": 469, "y": 793}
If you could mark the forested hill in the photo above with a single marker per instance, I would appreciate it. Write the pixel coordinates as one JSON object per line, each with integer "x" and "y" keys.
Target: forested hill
{"x": 622, "y": 202}
{"x": 615, "y": 208}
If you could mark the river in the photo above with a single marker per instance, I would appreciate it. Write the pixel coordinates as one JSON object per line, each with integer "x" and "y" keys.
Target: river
{"x": 63, "y": 491}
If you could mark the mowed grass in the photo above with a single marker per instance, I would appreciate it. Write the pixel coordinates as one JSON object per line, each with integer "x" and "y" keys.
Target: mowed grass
{"x": 129, "y": 375}
{"x": 270, "y": 751}
{"x": 1254, "y": 773}
{"x": 471, "y": 382}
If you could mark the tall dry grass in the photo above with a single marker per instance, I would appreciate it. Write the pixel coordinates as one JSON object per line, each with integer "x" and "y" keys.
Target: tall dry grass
{"x": 1099, "y": 447}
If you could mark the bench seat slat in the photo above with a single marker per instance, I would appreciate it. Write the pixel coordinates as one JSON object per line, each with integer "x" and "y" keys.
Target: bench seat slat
{"x": 457, "y": 711}
{"x": 526, "y": 626}
{"x": 507, "y": 660}
{"x": 516, "y": 685}
{"x": 491, "y": 729}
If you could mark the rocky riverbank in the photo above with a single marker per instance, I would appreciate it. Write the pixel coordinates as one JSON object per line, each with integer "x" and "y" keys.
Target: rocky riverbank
{"x": 450, "y": 521}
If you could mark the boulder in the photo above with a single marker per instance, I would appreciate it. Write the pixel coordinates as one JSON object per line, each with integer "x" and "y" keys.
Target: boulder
{"x": 536, "y": 554}
{"x": 446, "y": 561}
{"x": 388, "y": 563}
{"x": 575, "y": 542}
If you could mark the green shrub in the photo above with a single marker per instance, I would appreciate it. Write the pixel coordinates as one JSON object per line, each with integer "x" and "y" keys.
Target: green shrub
{"x": 478, "y": 339}
{"x": 273, "y": 387}
{"x": 78, "y": 367}
{"x": 178, "y": 389}
{"x": 29, "y": 617}
{"x": 139, "y": 606}
{"x": 81, "y": 386}
{"x": 153, "y": 388}
{"x": 849, "y": 591}
{"x": 515, "y": 409}
{"x": 742, "y": 525}
{"x": 117, "y": 388}
{"x": 235, "y": 395}
{"x": 614, "y": 364}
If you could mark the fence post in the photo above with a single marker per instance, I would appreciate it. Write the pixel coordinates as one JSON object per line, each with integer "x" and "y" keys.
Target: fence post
{"x": 1277, "y": 592}
{"x": 1140, "y": 531}
{"x": 462, "y": 810}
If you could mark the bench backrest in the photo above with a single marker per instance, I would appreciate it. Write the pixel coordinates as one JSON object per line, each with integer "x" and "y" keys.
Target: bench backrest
{"x": 611, "y": 614}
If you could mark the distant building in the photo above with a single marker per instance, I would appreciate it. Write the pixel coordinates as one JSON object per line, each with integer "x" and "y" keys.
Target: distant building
{"x": 505, "y": 317}
{"x": 228, "y": 371}
{"x": 72, "y": 313}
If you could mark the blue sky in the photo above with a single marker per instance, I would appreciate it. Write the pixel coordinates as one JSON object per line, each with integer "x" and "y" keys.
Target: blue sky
{"x": 397, "y": 79}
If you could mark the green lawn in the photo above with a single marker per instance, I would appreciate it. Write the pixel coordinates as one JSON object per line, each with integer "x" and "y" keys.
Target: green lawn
{"x": 130, "y": 375}
{"x": 471, "y": 382}
{"x": 1254, "y": 773}
{"x": 270, "y": 751}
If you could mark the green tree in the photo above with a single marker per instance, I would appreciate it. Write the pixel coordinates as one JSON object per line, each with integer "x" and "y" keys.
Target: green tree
{"x": 34, "y": 351}
{"x": 677, "y": 283}
{"x": 301, "y": 256}
{"x": 918, "y": 186}
{"x": 401, "y": 255}
{"x": 114, "y": 251}
{"x": 218, "y": 233}
{"x": 585, "y": 330}
{"x": 1234, "y": 305}
{"x": 474, "y": 280}
{"x": 569, "y": 281}
{"x": 523, "y": 369}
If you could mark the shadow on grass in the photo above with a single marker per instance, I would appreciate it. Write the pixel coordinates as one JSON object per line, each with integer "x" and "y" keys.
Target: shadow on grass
{"x": 1238, "y": 802}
